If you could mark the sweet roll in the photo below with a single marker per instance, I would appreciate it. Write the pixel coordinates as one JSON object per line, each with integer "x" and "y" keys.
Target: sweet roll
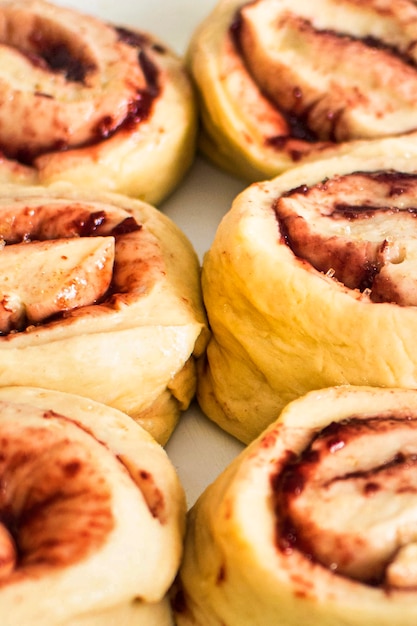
{"x": 310, "y": 283}
{"x": 282, "y": 82}
{"x": 100, "y": 296}
{"x": 100, "y": 105}
{"x": 314, "y": 522}
{"x": 91, "y": 514}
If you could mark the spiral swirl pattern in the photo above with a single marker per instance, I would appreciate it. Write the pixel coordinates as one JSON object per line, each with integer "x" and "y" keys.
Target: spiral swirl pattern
{"x": 314, "y": 522}
{"x": 360, "y": 229}
{"x": 283, "y": 83}
{"x": 91, "y": 514}
{"x": 96, "y": 300}
{"x": 310, "y": 283}
{"x": 93, "y": 103}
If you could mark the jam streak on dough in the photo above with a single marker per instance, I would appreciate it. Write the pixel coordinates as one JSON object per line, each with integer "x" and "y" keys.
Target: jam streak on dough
{"x": 80, "y": 97}
{"x": 66, "y": 514}
{"x": 302, "y": 63}
{"x": 330, "y": 500}
{"x": 359, "y": 228}
{"x": 74, "y": 272}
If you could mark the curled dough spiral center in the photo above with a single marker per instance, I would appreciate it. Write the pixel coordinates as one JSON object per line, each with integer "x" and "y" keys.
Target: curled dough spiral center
{"x": 302, "y": 58}
{"x": 359, "y": 228}
{"x": 80, "y": 254}
{"x": 363, "y": 472}
{"x": 64, "y": 76}
{"x": 55, "y": 501}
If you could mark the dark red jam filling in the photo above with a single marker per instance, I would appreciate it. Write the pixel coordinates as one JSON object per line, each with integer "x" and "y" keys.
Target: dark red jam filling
{"x": 87, "y": 225}
{"x": 57, "y": 57}
{"x": 395, "y": 184}
{"x": 297, "y": 123}
{"x": 288, "y": 483}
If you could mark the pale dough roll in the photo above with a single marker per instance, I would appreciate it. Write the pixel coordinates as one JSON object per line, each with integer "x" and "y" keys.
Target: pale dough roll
{"x": 280, "y": 82}
{"x": 100, "y": 296}
{"x": 92, "y": 514}
{"x": 282, "y": 320}
{"x": 99, "y": 105}
{"x": 314, "y": 522}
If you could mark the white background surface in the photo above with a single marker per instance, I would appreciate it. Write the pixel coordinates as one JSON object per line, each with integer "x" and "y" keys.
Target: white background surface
{"x": 198, "y": 448}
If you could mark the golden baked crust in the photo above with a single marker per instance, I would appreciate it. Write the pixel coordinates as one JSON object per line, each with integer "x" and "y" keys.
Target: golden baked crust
{"x": 311, "y": 523}
{"x": 282, "y": 326}
{"x": 281, "y": 83}
{"x": 133, "y": 343}
{"x": 98, "y": 105}
{"x": 92, "y": 514}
